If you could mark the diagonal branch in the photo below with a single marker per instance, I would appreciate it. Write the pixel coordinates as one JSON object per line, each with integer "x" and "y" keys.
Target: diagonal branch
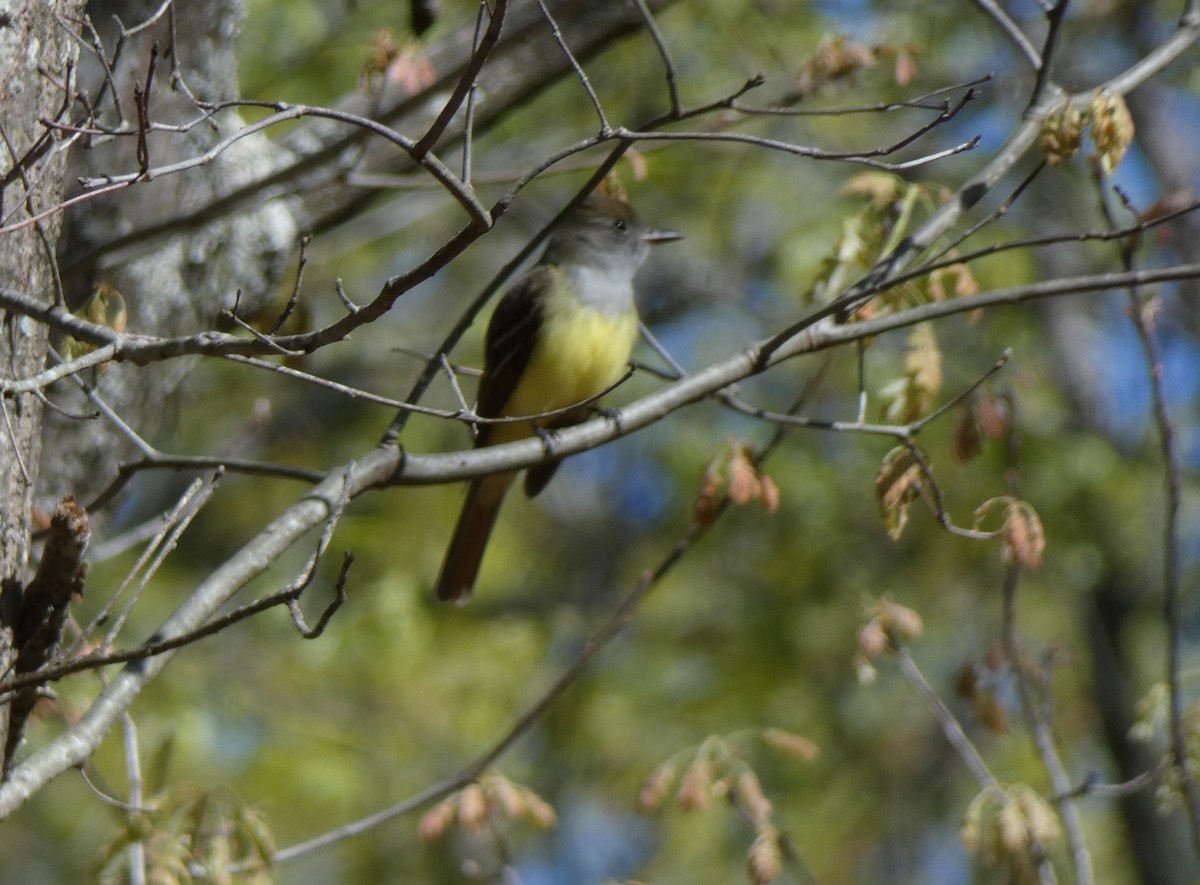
{"x": 466, "y": 82}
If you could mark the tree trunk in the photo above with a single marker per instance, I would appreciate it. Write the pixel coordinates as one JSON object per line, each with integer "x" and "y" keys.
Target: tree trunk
{"x": 37, "y": 62}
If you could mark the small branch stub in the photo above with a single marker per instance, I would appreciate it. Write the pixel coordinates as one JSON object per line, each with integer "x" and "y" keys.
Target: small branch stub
{"x": 43, "y": 610}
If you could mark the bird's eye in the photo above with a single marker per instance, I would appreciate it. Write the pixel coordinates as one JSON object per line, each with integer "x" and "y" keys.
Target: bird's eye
{"x": 619, "y": 224}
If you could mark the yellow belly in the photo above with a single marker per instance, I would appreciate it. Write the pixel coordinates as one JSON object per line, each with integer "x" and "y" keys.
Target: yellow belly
{"x": 580, "y": 353}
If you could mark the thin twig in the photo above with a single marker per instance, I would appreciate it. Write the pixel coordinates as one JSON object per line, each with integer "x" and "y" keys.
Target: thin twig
{"x": 273, "y": 347}
{"x": 108, "y": 798}
{"x": 133, "y": 768}
{"x": 351, "y": 307}
{"x": 89, "y": 390}
{"x": 12, "y": 441}
{"x": 1043, "y": 737}
{"x": 452, "y": 377}
{"x": 1000, "y": 17}
{"x": 993, "y": 216}
{"x": 862, "y": 158}
{"x": 1054, "y": 20}
{"x": 931, "y": 493}
{"x": 582, "y": 76}
{"x": 898, "y": 431}
{"x": 295, "y": 296}
{"x": 1091, "y": 786}
{"x": 353, "y": 393}
{"x": 1172, "y": 493}
{"x": 918, "y": 102}
{"x": 141, "y": 103}
{"x": 163, "y": 526}
{"x": 664, "y": 53}
{"x": 339, "y": 597}
{"x": 284, "y": 112}
{"x": 148, "y": 649}
{"x": 194, "y": 500}
{"x": 97, "y": 50}
{"x": 61, "y": 369}
{"x": 293, "y": 591}
{"x": 118, "y": 544}
{"x": 950, "y": 725}
{"x": 468, "y": 134}
{"x": 1101, "y": 236}
{"x": 466, "y": 83}
{"x": 178, "y": 81}
{"x": 677, "y": 371}
{"x": 149, "y": 21}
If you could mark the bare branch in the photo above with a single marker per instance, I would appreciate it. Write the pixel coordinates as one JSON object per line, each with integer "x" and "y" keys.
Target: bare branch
{"x": 1001, "y": 162}
{"x": 285, "y": 112}
{"x": 918, "y": 102}
{"x": 108, "y": 799}
{"x": 423, "y": 469}
{"x": 1042, "y": 734}
{"x": 163, "y": 526}
{"x": 158, "y": 461}
{"x": 199, "y": 493}
{"x": 327, "y": 614}
{"x": 599, "y": 640}
{"x": 291, "y": 594}
{"x": 951, "y": 727}
{"x": 466, "y": 83}
{"x": 301, "y": 261}
{"x": 468, "y": 137}
{"x": 316, "y": 173}
{"x": 1000, "y": 17}
{"x": 993, "y": 216}
{"x": 150, "y": 21}
{"x": 664, "y": 52}
{"x": 1055, "y": 14}
{"x": 1140, "y": 305}
{"x": 580, "y": 74}
{"x": 864, "y": 157}
{"x": 354, "y": 393}
{"x": 133, "y": 767}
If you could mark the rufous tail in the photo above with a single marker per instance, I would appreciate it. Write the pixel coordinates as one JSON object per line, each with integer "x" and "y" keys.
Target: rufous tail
{"x": 467, "y": 546}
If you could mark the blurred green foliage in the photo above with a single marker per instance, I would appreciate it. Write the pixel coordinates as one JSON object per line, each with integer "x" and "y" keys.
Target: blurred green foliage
{"x": 756, "y": 628}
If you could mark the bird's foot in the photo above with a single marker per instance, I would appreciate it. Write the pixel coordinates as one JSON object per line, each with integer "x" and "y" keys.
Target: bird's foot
{"x": 549, "y": 437}
{"x": 613, "y": 415}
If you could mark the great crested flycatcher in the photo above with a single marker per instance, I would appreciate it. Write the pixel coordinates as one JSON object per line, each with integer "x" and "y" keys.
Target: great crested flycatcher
{"x": 560, "y": 336}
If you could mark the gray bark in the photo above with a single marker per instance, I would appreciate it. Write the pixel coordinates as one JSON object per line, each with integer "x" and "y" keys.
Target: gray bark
{"x": 182, "y": 284}
{"x": 36, "y": 61}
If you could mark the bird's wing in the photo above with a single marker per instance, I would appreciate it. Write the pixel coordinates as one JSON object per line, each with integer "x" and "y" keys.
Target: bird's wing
{"x": 511, "y": 337}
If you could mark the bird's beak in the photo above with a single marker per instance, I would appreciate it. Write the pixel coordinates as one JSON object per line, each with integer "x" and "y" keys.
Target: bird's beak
{"x": 661, "y": 236}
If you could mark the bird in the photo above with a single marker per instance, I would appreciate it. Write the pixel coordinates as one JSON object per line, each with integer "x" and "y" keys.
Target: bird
{"x": 561, "y": 335}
